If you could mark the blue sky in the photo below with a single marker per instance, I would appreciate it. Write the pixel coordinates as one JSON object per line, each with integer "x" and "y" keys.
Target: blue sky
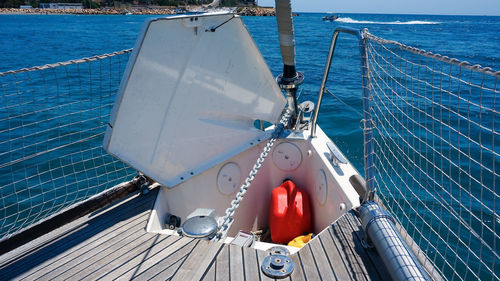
{"x": 439, "y": 7}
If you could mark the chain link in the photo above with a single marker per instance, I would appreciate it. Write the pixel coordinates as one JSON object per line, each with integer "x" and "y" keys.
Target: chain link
{"x": 227, "y": 219}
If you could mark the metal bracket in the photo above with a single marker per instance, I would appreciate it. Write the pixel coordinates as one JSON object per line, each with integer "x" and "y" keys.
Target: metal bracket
{"x": 292, "y": 135}
{"x": 243, "y": 239}
{"x": 214, "y": 28}
{"x": 304, "y": 116}
{"x": 142, "y": 182}
{"x": 366, "y": 243}
{"x": 335, "y": 156}
{"x": 172, "y": 222}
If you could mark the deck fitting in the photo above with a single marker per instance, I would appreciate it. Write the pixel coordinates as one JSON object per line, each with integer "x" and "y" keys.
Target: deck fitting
{"x": 277, "y": 266}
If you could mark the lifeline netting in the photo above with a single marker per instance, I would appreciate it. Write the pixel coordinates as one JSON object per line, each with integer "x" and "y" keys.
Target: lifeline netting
{"x": 52, "y": 122}
{"x": 436, "y": 160}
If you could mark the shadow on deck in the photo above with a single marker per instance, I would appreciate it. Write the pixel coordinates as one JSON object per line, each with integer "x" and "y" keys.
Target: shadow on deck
{"x": 112, "y": 243}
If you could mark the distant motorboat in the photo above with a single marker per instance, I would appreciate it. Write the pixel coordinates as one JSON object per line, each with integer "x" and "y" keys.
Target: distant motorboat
{"x": 190, "y": 11}
{"x": 179, "y": 11}
{"x": 330, "y": 18}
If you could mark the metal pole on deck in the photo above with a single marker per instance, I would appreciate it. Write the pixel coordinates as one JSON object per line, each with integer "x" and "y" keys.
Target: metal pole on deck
{"x": 367, "y": 120}
{"x": 290, "y": 79}
{"x": 323, "y": 81}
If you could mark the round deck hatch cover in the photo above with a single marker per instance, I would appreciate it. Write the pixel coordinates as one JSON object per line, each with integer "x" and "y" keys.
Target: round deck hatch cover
{"x": 277, "y": 266}
{"x": 199, "y": 227}
{"x": 279, "y": 250}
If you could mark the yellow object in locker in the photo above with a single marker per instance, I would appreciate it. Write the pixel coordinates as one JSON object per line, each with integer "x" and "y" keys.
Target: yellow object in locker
{"x": 300, "y": 241}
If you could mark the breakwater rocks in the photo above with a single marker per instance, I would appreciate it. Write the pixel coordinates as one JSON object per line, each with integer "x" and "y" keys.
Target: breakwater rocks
{"x": 104, "y": 11}
{"x": 255, "y": 11}
{"x": 243, "y": 11}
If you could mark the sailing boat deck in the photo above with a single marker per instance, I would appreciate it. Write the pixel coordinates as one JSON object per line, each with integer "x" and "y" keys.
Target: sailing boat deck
{"x": 113, "y": 244}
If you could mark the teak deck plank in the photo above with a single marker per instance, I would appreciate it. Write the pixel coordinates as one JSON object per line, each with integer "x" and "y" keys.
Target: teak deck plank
{"x": 352, "y": 261}
{"x": 236, "y": 263}
{"x": 97, "y": 256}
{"x": 222, "y": 264}
{"x": 321, "y": 260}
{"x": 361, "y": 253}
{"x": 261, "y": 255}
{"x": 298, "y": 271}
{"x": 198, "y": 261}
{"x": 332, "y": 251}
{"x": 113, "y": 244}
{"x": 120, "y": 257}
{"x": 73, "y": 253}
{"x": 141, "y": 263}
{"x": 372, "y": 255}
{"x": 308, "y": 265}
{"x": 170, "y": 266}
{"x": 210, "y": 275}
{"x": 61, "y": 243}
{"x": 252, "y": 267}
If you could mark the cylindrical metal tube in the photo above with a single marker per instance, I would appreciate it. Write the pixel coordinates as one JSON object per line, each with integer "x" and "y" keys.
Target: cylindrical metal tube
{"x": 333, "y": 43}
{"x": 396, "y": 255}
{"x": 323, "y": 81}
{"x": 286, "y": 37}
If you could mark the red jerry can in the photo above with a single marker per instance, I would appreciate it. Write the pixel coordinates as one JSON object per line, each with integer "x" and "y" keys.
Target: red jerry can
{"x": 289, "y": 213}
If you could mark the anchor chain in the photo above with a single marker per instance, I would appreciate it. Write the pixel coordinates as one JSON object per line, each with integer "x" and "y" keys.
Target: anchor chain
{"x": 228, "y": 217}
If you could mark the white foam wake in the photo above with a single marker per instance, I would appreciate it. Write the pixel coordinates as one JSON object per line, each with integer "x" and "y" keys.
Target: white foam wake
{"x": 350, "y": 20}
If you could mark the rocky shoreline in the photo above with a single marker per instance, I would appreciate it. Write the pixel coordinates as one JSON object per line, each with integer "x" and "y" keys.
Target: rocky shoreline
{"x": 255, "y": 11}
{"x": 243, "y": 11}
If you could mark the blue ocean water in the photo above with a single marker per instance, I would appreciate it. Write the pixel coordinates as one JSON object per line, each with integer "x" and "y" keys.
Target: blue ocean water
{"x": 28, "y": 40}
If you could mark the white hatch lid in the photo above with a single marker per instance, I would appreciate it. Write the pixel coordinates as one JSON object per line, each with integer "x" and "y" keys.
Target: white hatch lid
{"x": 189, "y": 97}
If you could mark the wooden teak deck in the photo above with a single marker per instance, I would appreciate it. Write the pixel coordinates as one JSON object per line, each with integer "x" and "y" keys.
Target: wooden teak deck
{"x": 113, "y": 244}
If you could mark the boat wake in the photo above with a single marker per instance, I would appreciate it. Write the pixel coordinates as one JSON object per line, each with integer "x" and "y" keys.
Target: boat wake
{"x": 350, "y": 20}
